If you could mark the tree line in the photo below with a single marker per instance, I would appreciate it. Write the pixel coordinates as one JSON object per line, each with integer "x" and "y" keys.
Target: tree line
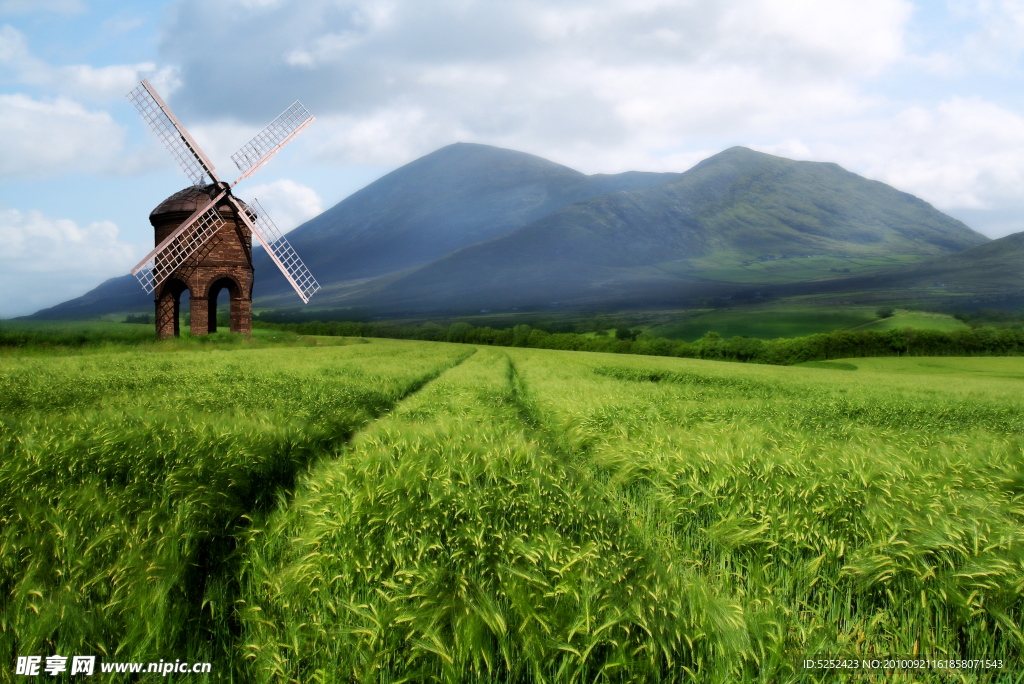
{"x": 982, "y": 341}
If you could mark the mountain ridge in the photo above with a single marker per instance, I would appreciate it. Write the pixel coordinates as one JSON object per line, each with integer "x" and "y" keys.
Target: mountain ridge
{"x": 459, "y": 195}
{"x": 474, "y": 226}
{"x": 731, "y": 203}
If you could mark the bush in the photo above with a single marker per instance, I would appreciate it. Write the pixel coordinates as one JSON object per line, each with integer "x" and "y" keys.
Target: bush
{"x": 885, "y": 312}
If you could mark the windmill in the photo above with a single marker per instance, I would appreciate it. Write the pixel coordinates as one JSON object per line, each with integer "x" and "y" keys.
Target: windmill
{"x": 211, "y": 248}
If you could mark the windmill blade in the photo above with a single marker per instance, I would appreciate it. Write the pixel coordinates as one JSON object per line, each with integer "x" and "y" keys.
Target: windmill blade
{"x": 175, "y": 138}
{"x": 278, "y": 248}
{"x": 271, "y": 139}
{"x": 187, "y": 238}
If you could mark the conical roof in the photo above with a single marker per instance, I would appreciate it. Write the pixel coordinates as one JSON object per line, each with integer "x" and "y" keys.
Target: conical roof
{"x": 187, "y": 200}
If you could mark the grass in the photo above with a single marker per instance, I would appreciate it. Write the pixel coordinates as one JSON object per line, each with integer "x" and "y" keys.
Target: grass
{"x": 921, "y": 320}
{"x": 452, "y": 542}
{"x": 794, "y": 269}
{"x": 836, "y": 511}
{"x": 788, "y": 320}
{"x": 550, "y": 516}
{"x": 402, "y": 511}
{"x": 24, "y": 334}
{"x": 959, "y": 368}
{"x": 765, "y": 322}
{"x": 127, "y": 479}
{"x": 46, "y": 337}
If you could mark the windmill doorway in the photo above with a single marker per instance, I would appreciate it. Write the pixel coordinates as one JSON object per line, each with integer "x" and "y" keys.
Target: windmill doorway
{"x": 168, "y": 309}
{"x": 234, "y": 299}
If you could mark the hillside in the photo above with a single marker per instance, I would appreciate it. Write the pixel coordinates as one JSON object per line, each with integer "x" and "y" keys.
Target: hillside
{"x": 459, "y": 195}
{"x": 733, "y": 212}
{"x": 451, "y": 198}
{"x": 995, "y": 266}
{"x": 986, "y": 275}
{"x": 472, "y": 227}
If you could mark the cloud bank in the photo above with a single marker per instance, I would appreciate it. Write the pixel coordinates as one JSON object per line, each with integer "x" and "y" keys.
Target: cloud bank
{"x": 47, "y": 260}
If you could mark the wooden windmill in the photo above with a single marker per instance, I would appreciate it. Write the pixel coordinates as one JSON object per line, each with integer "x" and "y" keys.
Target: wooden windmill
{"x": 204, "y": 233}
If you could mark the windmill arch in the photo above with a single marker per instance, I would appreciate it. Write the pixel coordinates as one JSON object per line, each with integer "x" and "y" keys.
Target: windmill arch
{"x": 168, "y": 307}
{"x": 236, "y": 302}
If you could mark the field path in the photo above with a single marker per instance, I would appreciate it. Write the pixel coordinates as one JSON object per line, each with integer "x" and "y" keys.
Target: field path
{"x": 129, "y": 479}
{"x": 453, "y": 540}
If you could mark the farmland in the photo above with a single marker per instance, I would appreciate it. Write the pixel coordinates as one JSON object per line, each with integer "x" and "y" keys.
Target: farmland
{"x": 126, "y": 478}
{"x": 426, "y": 511}
{"x": 795, "y": 319}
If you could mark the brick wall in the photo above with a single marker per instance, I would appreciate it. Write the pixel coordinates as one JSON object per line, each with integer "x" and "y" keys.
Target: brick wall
{"x": 224, "y": 262}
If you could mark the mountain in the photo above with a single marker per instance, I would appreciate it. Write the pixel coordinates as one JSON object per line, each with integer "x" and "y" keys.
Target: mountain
{"x": 116, "y": 295}
{"x": 660, "y": 243}
{"x": 459, "y": 195}
{"x": 986, "y": 274}
{"x": 472, "y": 226}
{"x": 451, "y": 198}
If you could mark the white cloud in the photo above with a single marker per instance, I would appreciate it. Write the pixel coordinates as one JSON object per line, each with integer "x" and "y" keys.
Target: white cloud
{"x": 965, "y": 153}
{"x": 51, "y": 136}
{"x": 998, "y": 39}
{"x": 987, "y": 38}
{"x": 288, "y": 203}
{"x": 219, "y": 140}
{"x": 620, "y": 80}
{"x": 387, "y": 137}
{"x": 792, "y": 36}
{"x": 39, "y": 139}
{"x": 43, "y": 260}
{"x": 80, "y": 80}
{"x": 113, "y": 81}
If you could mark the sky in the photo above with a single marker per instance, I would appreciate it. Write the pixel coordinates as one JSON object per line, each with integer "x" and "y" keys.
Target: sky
{"x": 924, "y": 96}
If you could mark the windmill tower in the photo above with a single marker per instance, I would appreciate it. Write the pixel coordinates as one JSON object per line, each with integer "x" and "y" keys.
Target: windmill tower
{"x": 204, "y": 233}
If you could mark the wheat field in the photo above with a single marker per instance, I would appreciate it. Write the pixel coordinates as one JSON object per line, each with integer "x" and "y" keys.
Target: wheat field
{"x": 408, "y": 511}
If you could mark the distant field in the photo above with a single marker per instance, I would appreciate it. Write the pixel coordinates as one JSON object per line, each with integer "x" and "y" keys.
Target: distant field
{"x": 921, "y": 320}
{"x": 766, "y": 323}
{"x": 790, "y": 270}
{"x": 773, "y": 321}
{"x": 445, "y": 512}
{"x": 994, "y": 368}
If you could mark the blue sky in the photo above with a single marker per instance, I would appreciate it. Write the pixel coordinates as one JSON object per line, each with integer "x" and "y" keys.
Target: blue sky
{"x": 924, "y": 96}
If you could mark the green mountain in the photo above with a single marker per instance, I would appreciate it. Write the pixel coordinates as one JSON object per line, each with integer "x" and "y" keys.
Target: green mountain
{"x": 996, "y": 266}
{"x": 739, "y": 218}
{"x": 451, "y": 198}
{"x": 459, "y": 195}
{"x": 472, "y": 227}
{"x": 991, "y": 275}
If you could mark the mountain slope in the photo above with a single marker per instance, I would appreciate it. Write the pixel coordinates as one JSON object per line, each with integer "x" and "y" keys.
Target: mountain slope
{"x": 733, "y": 208}
{"x": 993, "y": 269}
{"x": 115, "y": 295}
{"x": 473, "y": 226}
{"x": 457, "y": 196}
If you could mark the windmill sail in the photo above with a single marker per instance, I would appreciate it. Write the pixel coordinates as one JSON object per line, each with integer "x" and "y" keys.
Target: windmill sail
{"x": 172, "y": 134}
{"x": 186, "y": 240}
{"x": 179, "y": 246}
{"x": 271, "y": 139}
{"x": 279, "y": 249}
